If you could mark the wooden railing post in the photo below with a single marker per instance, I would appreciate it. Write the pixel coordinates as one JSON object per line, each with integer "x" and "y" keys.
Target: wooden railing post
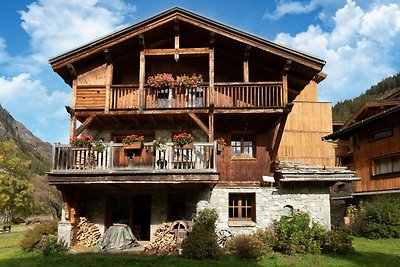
{"x": 111, "y": 155}
{"x": 142, "y": 77}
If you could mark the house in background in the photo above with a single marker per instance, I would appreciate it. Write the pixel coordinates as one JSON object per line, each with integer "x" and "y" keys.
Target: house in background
{"x": 250, "y": 86}
{"x": 369, "y": 144}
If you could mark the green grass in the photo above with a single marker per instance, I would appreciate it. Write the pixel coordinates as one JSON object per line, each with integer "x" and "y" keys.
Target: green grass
{"x": 385, "y": 252}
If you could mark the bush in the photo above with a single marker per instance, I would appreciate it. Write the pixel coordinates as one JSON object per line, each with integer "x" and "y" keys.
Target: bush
{"x": 34, "y": 235}
{"x": 295, "y": 235}
{"x": 337, "y": 241}
{"x": 267, "y": 236}
{"x": 248, "y": 247}
{"x": 202, "y": 241}
{"x": 50, "y": 245}
{"x": 377, "y": 218}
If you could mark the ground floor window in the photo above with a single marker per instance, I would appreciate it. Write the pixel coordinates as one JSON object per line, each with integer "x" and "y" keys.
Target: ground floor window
{"x": 242, "y": 207}
{"x": 386, "y": 165}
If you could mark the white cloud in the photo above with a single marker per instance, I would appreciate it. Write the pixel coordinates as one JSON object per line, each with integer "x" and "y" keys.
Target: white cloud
{"x": 285, "y": 7}
{"x": 3, "y": 54}
{"x": 57, "y": 26}
{"x": 360, "y": 50}
{"x": 30, "y": 102}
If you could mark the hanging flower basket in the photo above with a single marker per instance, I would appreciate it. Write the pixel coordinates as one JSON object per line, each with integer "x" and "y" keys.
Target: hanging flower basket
{"x": 133, "y": 142}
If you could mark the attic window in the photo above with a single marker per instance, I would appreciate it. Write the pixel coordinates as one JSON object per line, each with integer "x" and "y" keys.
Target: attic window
{"x": 380, "y": 134}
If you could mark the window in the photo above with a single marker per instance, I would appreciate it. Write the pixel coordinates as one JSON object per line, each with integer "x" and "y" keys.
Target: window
{"x": 242, "y": 207}
{"x": 242, "y": 147}
{"x": 380, "y": 134}
{"x": 386, "y": 165}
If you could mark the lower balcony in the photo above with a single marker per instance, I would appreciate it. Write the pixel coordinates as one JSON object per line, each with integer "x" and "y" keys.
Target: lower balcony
{"x": 119, "y": 164}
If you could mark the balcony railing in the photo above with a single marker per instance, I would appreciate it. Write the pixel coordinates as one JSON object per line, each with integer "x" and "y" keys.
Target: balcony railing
{"x": 225, "y": 95}
{"x": 115, "y": 158}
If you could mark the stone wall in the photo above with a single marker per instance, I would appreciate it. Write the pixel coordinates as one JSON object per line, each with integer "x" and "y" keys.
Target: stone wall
{"x": 270, "y": 203}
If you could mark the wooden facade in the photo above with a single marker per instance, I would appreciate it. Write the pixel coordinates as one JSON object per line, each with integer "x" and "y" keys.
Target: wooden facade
{"x": 248, "y": 90}
{"x": 368, "y": 143}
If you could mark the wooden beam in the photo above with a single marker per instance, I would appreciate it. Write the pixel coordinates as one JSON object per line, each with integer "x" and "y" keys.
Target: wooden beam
{"x": 212, "y": 39}
{"x": 141, "y": 42}
{"x": 72, "y": 126}
{"x": 211, "y": 76}
{"x": 142, "y": 77}
{"x": 199, "y": 123}
{"x": 107, "y": 56}
{"x": 180, "y": 51}
{"x": 211, "y": 126}
{"x": 72, "y": 71}
{"x": 286, "y": 67}
{"x": 109, "y": 78}
{"x": 279, "y": 134}
{"x": 85, "y": 124}
{"x": 245, "y": 71}
{"x": 176, "y": 39}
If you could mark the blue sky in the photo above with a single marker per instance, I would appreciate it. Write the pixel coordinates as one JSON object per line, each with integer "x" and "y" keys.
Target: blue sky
{"x": 360, "y": 41}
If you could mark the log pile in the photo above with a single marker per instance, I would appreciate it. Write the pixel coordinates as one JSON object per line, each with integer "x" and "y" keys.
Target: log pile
{"x": 163, "y": 241}
{"x": 88, "y": 234}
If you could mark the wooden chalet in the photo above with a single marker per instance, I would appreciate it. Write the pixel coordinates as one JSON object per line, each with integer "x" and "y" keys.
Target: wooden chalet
{"x": 368, "y": 143}
{"x": 248, "y": 90}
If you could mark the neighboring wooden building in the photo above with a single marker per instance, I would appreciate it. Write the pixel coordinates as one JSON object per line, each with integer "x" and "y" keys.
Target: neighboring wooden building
{"x": 250, "y": 86}
{"x": 369, "y": 144}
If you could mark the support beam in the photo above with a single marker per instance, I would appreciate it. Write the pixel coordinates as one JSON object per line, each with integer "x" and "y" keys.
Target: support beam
{"x": 285, "y": 72}
{"x": 72, "y": 71}
{"x": 211, "y": 77}
{"x": 85, "y": 124}
{"x": 212, "y": 39}
{"x": 142, "y": 77}
{"x": 107, "y": 56}
{"x": 199, "y": 122}
{"x": 142, "y": 45}
{"x": 279, "y": 134}
{"x": 72, "y": 126}
{"x": 211, "y": 126}
{"x": 173, "y": 51}
{"x": 109, "y": 77}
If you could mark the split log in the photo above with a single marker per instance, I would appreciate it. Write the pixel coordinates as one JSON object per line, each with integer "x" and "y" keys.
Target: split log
{"x": 88, "y": 234}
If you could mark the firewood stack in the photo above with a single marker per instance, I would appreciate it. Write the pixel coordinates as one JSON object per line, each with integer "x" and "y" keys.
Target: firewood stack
{"x": 88, "y": 233}
{"x": 163, "y": 241}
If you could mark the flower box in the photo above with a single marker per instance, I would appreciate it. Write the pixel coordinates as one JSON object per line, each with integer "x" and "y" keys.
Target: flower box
{"x": 220, "y": 148}
{"x": 133, "y": 146}
{"x": 186, "y": 146}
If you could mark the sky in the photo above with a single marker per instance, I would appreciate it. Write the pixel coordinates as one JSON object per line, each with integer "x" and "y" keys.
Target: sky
{"x": 359, "y": 40}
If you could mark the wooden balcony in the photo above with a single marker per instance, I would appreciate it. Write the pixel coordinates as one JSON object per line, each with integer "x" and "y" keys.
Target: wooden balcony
{"x": 237, "y": 95}
{"x": 174, "y": 164}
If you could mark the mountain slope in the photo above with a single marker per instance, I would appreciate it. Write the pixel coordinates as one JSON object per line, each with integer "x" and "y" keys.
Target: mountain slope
{"x": 343, "y": 110}
{"x": 31, "y": 147}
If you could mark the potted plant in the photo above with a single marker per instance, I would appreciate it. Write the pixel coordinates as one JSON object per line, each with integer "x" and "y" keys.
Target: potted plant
{"x": 133, "y": 141}
{"x": 81, "y": 141}
{"x": 99, "y": 146}
{"x": 221, "y": 143}
{"x": 160, "y": 144}
{"x": 161, "y": 81}
{"x": 189, "y": 81}
{"x": 183, "y": 140}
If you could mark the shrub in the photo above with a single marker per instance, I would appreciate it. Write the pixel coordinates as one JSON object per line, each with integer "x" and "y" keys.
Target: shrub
{"x": 267, "y": 236}
{"x": 248, "y": 246}
{"x": 50, "y": 245}
{"x": 202, "y": 241}
{"x": 337, "y": 241}
{"x": 377, "y": 218}
{"x": 297, "y": 234}
{"x": 34, "y": 235}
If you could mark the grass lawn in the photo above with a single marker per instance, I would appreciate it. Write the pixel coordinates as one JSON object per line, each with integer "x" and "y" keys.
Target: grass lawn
{"x": 368, "y": 253}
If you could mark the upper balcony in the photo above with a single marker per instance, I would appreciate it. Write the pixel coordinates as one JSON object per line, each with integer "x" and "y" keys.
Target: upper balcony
{"x": 145, "y": 165}
{"x": 225, "y": 96}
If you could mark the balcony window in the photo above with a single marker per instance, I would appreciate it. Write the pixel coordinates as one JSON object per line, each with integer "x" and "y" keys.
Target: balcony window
{"x": 242, "y": 207}
{"x": 386, "y": 165}
{"x": 242, "y": 147}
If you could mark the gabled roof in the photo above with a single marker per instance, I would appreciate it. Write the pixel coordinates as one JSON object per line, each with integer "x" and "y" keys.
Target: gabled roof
{"x": 107, "y": 41}
{"x": 346, "y": 131}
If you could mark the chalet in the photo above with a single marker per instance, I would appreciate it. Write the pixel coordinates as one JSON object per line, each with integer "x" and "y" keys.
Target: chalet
{"x": 368, "y": 143}
{"x": 248, "y": 88}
